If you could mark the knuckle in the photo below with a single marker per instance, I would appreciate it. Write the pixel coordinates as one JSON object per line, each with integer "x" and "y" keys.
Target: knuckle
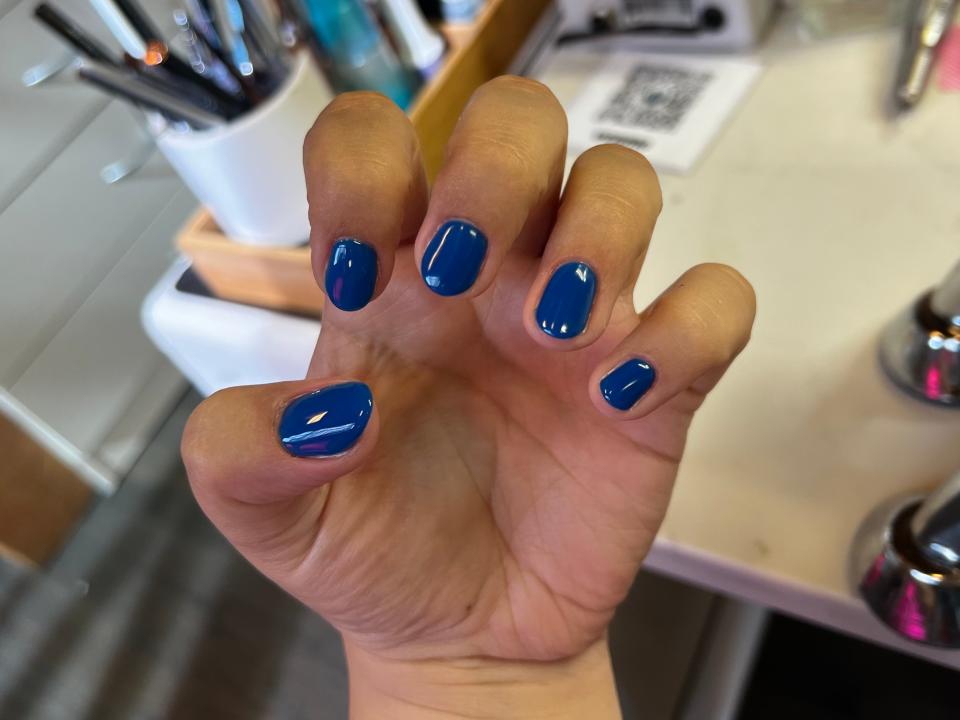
{"x": 623, "y": 171}
{"x": 612, "y": 204}
{"x": 732, "y": 285}
{"x": 513, "y": 129}
{"x": 364, "y": 102}
{"x": 345, "y": 125}
{"x": 728, "y": 305}
{"x": 527, "y": 107}
{"x": 498, "y": 144}
{"x": 495, "y": 151}
{"x": 198, "y": 444}
{"x": 617, "y": 151}
{"x": 711, "y": 307}
{"x": 522, "y": 86}
{"x": 636, "y": 161}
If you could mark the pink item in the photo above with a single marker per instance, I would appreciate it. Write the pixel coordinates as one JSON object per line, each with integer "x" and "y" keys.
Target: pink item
{"x": 949, "y": 73}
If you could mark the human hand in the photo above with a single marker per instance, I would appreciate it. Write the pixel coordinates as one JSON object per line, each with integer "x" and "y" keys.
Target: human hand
{"x": 490, "y": 507}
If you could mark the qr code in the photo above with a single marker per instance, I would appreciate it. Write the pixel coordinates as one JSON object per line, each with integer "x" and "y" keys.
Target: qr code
{"x": 655, "y": 97}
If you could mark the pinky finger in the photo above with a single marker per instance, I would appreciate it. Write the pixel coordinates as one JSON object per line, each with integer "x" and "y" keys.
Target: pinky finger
{"x": 685, "y": 340}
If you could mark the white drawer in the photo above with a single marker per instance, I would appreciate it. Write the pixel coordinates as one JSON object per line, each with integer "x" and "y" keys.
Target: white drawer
{"x": 62, "y": 235}
{"x": 37, "y": 123}
{"x": 85, "y": 378}
{"x": 6, "y": 6}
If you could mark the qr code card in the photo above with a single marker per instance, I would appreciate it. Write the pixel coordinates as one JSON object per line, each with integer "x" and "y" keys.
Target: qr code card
{"x": 668, "y": 107}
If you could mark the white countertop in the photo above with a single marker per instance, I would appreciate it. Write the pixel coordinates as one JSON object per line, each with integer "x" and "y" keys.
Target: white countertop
{"x": 839, "y": 219}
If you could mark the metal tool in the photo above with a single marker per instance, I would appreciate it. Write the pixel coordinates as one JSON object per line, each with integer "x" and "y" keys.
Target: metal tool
{"x": 905, "y": 563}
{"x": 927, "y": 22}
{"x": 49, "y": 69}
{"x": 130, "y": 86}
{"x": 920, "y": 348}
{"x": 72, "y": 34}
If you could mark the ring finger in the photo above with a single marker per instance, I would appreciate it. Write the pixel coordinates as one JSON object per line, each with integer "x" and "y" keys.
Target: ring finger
{"x": 606, "y": 217}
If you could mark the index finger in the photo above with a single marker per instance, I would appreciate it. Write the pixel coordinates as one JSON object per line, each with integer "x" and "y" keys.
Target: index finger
{"x": 367, "y": 191}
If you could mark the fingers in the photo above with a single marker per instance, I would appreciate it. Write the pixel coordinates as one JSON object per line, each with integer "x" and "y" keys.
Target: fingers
{"x": 603, "y": 228}
{"x": 367, "y": 192}
{"x": 684, "y": 340}
{"x": 246, "y": 447}
{"x": 499, "y": 185}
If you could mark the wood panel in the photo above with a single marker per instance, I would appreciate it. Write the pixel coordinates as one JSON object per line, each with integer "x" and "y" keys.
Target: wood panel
{"x": 485, "y": 52}
{"x": 279, "y": 278}
{"x": 42, "y": 498}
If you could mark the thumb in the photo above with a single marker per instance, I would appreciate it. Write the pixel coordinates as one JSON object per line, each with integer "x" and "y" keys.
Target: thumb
{"x": 256, "y": 455}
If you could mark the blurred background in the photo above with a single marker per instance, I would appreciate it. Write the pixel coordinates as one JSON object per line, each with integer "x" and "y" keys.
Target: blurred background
{"x": 152, "y": 251}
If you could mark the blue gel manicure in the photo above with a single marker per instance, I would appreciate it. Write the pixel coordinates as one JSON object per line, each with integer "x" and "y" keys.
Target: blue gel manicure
{"x": 327, "y": 421}
{"x": 564, "y": 308}
{"x": 623, "y": 386}
{"x": 351, "y": 274}
{"x": 453, "y": 258}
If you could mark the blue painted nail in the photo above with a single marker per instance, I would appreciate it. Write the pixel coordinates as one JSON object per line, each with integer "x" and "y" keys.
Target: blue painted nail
{"x": 564, "y": 308}
{"x": 453, "y": 258}
{"x": 327, "y": 421}
{"x": 623, "y": 386}
{"x": 351, "y": 274}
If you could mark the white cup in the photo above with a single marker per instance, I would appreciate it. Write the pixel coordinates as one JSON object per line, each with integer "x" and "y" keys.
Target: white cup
{"x": 249, "y": 172}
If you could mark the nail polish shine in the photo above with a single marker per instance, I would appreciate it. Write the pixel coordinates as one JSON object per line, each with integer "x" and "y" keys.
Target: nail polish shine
{"x": 453, "y": 258}
{"x": 351, "y": 274}
{"x": 326, "y": 422}
{"x": 623, "y": 386}
{"x": 564, "y": 308}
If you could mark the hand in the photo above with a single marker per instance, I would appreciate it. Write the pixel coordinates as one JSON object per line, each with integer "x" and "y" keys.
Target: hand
{"x": 526, "y": 423}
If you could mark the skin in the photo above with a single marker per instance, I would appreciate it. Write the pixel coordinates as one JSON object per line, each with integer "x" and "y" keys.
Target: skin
{"x": 473, "y": 545}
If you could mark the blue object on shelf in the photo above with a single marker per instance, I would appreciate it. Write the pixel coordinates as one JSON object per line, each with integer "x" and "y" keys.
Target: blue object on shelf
{"x": 361, "y": 55}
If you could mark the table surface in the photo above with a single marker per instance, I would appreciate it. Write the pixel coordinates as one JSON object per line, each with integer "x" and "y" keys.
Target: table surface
{"x": 839, "y": 218}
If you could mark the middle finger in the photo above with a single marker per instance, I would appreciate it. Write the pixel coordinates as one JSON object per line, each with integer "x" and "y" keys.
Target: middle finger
{"x": 500, "y": 183}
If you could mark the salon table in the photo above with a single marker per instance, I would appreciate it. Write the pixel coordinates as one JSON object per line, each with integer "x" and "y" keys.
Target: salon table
{"x": 840, "y": 218}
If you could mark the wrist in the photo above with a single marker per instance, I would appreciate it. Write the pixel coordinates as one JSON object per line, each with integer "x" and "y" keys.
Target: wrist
{"x": 469, "y": 688}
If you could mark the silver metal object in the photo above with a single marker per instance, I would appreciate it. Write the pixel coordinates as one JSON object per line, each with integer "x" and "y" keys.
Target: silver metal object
{"x": 920, "y": 349}
{"x": 926, "y": 25}
{"x": 936, "y": 525}
{"x": 132, "y": 87}
{"x": 125, "y": 167}
{"x": 905, "y": 563}
{"x": 48, "y": 69}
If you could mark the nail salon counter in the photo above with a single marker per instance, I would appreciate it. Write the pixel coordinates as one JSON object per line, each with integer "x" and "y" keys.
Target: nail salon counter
{"x": 839, "y": 219}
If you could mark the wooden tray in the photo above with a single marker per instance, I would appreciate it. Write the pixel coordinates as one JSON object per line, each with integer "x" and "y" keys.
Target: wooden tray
{"x": 282, "y": 278}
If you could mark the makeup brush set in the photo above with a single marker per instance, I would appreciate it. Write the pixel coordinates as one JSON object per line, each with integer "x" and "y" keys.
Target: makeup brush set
{"x": 225, "y": 57}
{"x": 235, "y": 53}
{"x": 231, "y": 88}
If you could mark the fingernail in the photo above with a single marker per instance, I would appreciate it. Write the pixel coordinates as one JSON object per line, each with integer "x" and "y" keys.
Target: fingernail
{"x": 453, "y": 258}
{"x": 623, "y": 386}
{"x": 327, "y": 421}
{"x": 351, "y": 274}
{"x": 564, "y": 308}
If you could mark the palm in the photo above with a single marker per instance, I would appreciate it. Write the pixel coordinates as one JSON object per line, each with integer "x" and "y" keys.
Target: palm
{"x": 499, "y": 510}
